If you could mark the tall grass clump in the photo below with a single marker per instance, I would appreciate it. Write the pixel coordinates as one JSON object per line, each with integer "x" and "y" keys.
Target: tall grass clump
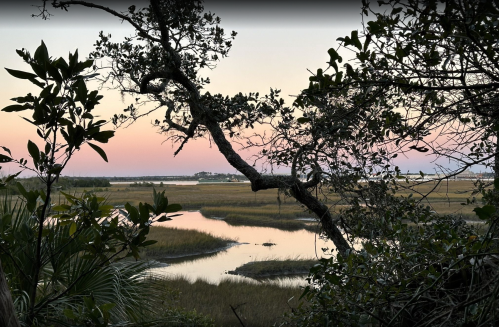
{"x": 174, "y": 242}
{"x": 255, "y": 304}
{"x": 275, "y": 267}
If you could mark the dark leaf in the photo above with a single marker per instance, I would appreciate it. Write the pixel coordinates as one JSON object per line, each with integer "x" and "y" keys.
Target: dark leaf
{"x": 103, "y": 137}
{"x": 4, "y": 158}
{"x": 11, "y": 177}
{"x": 20, "y": 74}
{"x": 33, "y": 151}
{"x": 42, "y": 54}
{"x": 16, "y": 107}
{"x": 6, "y": 150}
{"x": 82, "y": 91}
{"x": 99, "y": 151}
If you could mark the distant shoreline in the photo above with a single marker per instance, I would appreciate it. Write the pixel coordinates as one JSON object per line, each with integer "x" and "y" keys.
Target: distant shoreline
{"x": 175, "y": 182}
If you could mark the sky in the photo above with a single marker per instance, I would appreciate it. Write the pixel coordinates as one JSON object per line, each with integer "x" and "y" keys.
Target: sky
{"x": 277, "y": 42}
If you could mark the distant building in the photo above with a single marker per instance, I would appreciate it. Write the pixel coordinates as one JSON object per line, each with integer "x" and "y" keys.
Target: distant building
{"x": 467, "y": 174}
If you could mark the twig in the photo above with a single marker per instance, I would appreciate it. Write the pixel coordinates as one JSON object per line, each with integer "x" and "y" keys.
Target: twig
{"x": 234, "y": 310}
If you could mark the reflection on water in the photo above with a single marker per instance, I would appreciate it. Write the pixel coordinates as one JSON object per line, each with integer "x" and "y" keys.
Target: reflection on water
{"x": 213, "y": 267}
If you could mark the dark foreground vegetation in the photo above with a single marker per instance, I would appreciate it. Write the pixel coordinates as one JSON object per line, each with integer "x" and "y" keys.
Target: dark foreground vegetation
{"x": 255, "y": 304}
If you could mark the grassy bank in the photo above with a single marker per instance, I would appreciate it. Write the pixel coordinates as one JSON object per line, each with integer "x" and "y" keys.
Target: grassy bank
{"x": 256, "y": 304}
{"x": 174, "y": 242}
{"x": 265, "y": 216}
{"x": 274, "y": 267}
{"x": 197, "y": 196}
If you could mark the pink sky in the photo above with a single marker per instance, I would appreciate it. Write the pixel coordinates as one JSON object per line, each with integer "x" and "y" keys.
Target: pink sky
{"x": 274, "y": 48}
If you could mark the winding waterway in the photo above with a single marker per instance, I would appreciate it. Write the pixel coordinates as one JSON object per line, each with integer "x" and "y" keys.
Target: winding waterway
{"x": 214, "y": 267}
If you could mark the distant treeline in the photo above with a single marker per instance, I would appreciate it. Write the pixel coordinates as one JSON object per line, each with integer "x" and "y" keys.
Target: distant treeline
{"x": 83, "y": 182}
{"x": 64, "y": 183}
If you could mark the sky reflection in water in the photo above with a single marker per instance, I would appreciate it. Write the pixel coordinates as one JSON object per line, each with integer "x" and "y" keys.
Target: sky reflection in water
{"x": 213, "y": 268}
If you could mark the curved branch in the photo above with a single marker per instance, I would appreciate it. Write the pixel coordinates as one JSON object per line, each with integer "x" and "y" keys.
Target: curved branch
{"x": 144, "y": 34}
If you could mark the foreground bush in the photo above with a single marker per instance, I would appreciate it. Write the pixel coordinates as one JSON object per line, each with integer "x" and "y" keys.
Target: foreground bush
{"x": 434, "y": 271}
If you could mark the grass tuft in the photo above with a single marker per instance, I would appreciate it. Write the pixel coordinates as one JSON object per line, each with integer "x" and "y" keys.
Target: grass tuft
{"x": 275, "y": 267}
{"x": 175, "y": 242}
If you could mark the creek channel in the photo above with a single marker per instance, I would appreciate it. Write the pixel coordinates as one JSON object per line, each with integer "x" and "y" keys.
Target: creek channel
{"x": 214, "y": 267}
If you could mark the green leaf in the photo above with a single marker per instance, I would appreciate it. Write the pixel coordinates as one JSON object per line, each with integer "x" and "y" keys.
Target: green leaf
{"x": 89, "y": 302}
{"x": 69, "y": 314}
{"x": 147, "y": 243}
{"x": 72, "y": 228}
{"x": 99, "y": 151}
{"x": 173, "y": 208}
{"x": 61, "y": 207}
{"x": 133, "y": 213}
{"x": 11, "y": 177}
{"x": 485, "y": 212}
{"x": 22, "y": 190}
{"x": 496, "y": 183}
{"x": 107, "y": 306}
{"x": 20, "y": 74}
{"x": 143, "y": 213}
{"x": 106, "y": 210}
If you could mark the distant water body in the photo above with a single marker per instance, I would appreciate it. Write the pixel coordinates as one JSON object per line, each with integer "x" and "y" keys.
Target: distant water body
{"x": 173, "y": 182}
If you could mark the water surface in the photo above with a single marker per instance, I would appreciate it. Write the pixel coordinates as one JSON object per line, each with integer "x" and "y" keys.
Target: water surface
{"x": 213, "y": 268}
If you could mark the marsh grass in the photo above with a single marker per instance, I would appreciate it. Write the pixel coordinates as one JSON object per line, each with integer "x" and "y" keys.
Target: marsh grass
{"x": 284, "y": 224}
{"x": 256, "y": 304}
{"x": 240, "y": 206}
{"x": 275, "y": 267}
{"x": 270, "y": 211}
{"x": 264, "y": 216}
{"x": 174, "y": 242}
{"x": 197, "y": 196}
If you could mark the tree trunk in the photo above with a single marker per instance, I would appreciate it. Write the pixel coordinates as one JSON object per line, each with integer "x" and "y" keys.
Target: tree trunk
{"x": 8, "y": 317}
{"x": 496, "y": 158}
{"x": 259, "y": 182}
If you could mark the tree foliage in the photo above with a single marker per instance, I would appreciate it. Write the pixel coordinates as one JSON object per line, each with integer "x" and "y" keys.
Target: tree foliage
{"x": 423, "y": 80}
{"x": 63, "y": 261}
{"x": 162, "y": 63}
